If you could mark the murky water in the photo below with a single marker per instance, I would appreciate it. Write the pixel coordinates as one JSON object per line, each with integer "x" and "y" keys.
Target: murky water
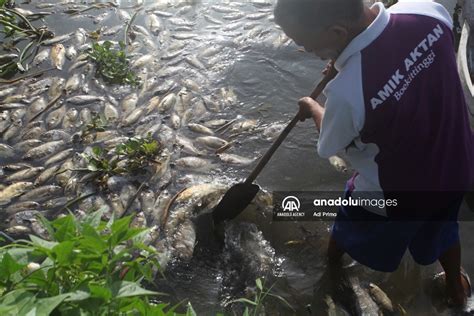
{"x": 267, "y": 76}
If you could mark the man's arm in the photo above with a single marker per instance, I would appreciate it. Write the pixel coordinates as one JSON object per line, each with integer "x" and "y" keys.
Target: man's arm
{"x": 310, "y": 108}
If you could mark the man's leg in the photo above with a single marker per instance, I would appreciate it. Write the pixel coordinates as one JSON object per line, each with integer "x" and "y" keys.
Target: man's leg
{"x": 456, "y": 285}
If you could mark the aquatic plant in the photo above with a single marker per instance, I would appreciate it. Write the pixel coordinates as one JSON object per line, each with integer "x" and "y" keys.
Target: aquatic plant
{"x": 112, "y": 64}
{"x": 129, "y": 158}
{"x": 256, "y": 306}
{"x": 18, "y": 27}
{"x": 84, "y": 267}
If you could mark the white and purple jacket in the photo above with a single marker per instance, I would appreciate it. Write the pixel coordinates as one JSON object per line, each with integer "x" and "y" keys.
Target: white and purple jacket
{"x": 397, "y": 106}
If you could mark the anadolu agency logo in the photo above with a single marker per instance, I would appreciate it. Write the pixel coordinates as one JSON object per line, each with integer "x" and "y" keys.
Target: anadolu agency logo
{"x": 291, "y": 207}
{"x": 290, "y": 204}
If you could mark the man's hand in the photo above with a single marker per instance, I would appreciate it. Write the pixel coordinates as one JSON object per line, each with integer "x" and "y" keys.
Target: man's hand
{"x": 310, "y": 108}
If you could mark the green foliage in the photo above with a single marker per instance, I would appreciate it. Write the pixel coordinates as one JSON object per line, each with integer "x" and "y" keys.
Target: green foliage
{"x": 88, "y": 267}
{"x": 256, "y": 306}
{"x": 112, "y": 65}
{"x": 129, "y": 158}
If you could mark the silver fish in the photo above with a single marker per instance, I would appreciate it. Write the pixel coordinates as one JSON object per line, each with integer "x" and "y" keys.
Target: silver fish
{"x": 44, "y": 150}
{"x": 21, "y": 206}
{"x": 59, "y": 157}
{"x": 110, "y": 112}
{"x": 24, "y": 174}
{"x": 381, "y": 298}
{"x": 13, "y": 191}
{"x": 41, "y": 57}
{"x": 198, "y": 128}
{"x": 338, "y": 163}
{"x": 84, "y": 99}
{"x": 154, "y": 24}
{"x": 71, "y": 52}
{"x": 236, "y": 159}
{"x": 211, "y": 141}
{"x": 57, "y": 39}
{"x": 46, "y": 175}
{"x": 41, "y": 194}
{"x": 194, "y": 163}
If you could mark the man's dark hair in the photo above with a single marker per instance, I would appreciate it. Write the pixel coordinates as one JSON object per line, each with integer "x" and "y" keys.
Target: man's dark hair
{"x": 314, "y": 14}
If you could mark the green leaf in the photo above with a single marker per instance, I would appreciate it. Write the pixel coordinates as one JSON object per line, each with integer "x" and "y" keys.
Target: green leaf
{"x": 64, "y": 252}
{"x": 43, "y": 243}
{"x": 65, "y": 228}
{"x": 243, "y": 300}
{"x": 129, "y": 289}
{"x": 101, "y": 292}
{"x": 78, "y": 295}
{"x": 15, "y": 300}
{"x": 258, "y": 282}
{"x": 190, "y": 311}
{"x": 9, "y": 266}
{"x": 45, "y": 306}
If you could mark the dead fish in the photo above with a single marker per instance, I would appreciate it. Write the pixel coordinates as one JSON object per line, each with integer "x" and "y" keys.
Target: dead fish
{"x": 46, "y": 175}
{"x": 133, "y": 117}
{"x": 152, "y": 105}
{"x": 84, "y": 99}
{"x": 41, "y": 57}
{"x": 154, "y": 24}
{"x": 381, "y": 298}
{"x": 21, "y": 206}
{"x": 184, "y": 239}
{"x": 113, "y": 30}
{"x": 58, "y": 53}
{"x": 41, "y": 194}
{"x": 215, "y": 123}
{"x": 57, "y": 39}
{"x": 110, "y": 112}
{"x": 333, "y": 309}
{"x": 212, "y": 19}
{"x": 73, "y": 83}
{"x": 55, "y": 117}
{"x": 364, "y": 305}
{"x": 13, "y": 191}
{"x": 129, "y": 103}
{"x": 71, "y": 52}
{"x": 55, "y": 134}
{"x": 80, "y": 36}
{"x": 167, "y": 103}
{"x": 35, "y": 108}
{"x": 27, "y": 144}
{"x": 123, "y": 15}
{"x": 338, "y": 163}
{"x": 6, "y": 151}
{"x": 223, "y": 9}
{"x": 59, "y": 157}
{"x": 175, "y": 120}
{"x": 236, "y": 159}
{"x": 44, "y": 150}
{"x": 184, "y": 36}
{"x": 244, "y": 126}
{"x": 142, "y": 61}
{"x": 18, "y": 230}
{"x": 194, "y": 163}
{"x": 187, "y": 146}
{"x": 256, "y": 16}
{"x": 24, "y": 174}
{"x": 198, "y": 128}
{"x": 211, "y": 141}
{"x": 195, "y": 62}
{"x": 272, "y": 131}
{"x": 56, "y": 88}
